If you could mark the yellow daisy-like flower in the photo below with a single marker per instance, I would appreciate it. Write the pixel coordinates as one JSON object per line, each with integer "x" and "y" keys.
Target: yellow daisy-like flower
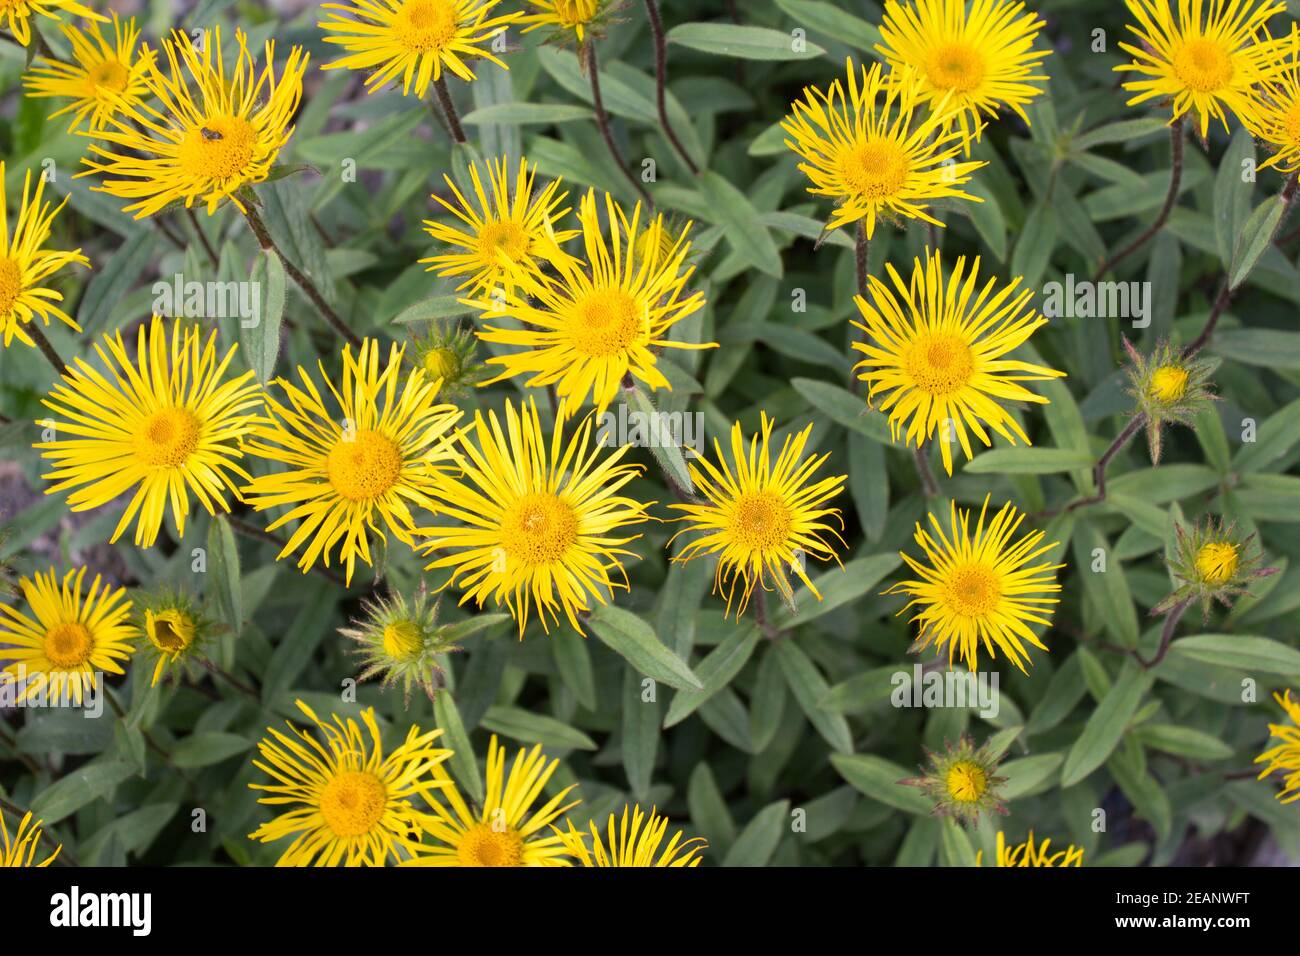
{"x": 219, "y": 129}
{"x": 764, "y": 517}
{"x": 1211, "y": 58}
{"x": 628, "y": 844}
{"x": 1276, "y": 118}
{"x": 536, "y": 529}
{"x": 350, "y": 803}
{"x": 167, "y": 424}
{"x": 105, "y": 72}
{"x": 413, "y": 39}
{"x": 598, "y": 322}
{"x": 503, "y": 832}
{"x": 578, "y": 16}
{"x": 175, "y": 630}
{"x": 1027, "y": 854}
{"x": 976, "y": 60}
{"x": 25, "y": 264}
{"x": 345, "y": 476}
{"x": 18, "y": 14}
{"x": 872, "y": 153}
{"x": 21, "y": 850}
{"x": 1285, "y": 757}
{"x": 69, "y": 638}
{"x": 979, "y": 589}
{"x": 503, "y": 236}
{"x": 935, "y": 349}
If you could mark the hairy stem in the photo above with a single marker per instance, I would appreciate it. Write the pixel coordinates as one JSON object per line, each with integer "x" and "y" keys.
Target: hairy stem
{"x": 602, "y": 121}
{"x": 661, "y": 82}
{"x": 1166, "y": 635}
{"x": 929, "y": 487}
{"x": 217, "y": 670}
{"x": 1175, "y": 181}
{"x": 1099, "y": 470}
{"x": 42, "y": 343}
{"x": 449, "y": 109}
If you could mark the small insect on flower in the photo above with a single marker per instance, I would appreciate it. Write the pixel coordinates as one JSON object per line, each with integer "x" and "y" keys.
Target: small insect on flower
{"x": 597, "y": 323}
{"x": 536, "y": 524}
{"x": 105, "y": 73}
{"x": 1276, "y": 119}
{"x": 21, "y": 850}
{"x": 18, "y": 13}
{"x": 962, "y": 781}
{"x": 402, "y": 640}
{"x": 70, "y": 637}
{"x": 413, "y": 39}
{"x": 1284, "y": 758}
{"x": 937, "y": 350}
{"x": 345, "y": 481}
{"x": 1168, "y": 389}
{"x": 1213, "y": 563}
{"x": 1027, "y": 854}
{"x": 765, "y": 518}
{"x": 628, "y": 843}
{"x": 1208, "y": 61}
{"x": 351, "y": 804}
{"x": 508, "y": 238}
{"x": 874, "y": 152}
{"x": 980, "y": 589}
{"x": 166, "y": 425}
{"x": 503, "y": 832}
{"x": 25, "y": 263}
{"x": 980, "y": 59}
{"x": 219, "y": 129}
{"x": 176, "y": 629}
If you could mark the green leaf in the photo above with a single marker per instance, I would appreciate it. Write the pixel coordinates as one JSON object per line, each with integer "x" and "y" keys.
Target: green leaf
{"x": 1108, "y": 590}
{"x": 1028, "y": 461}
{"x": 1102, "y": 733}
{"x": 1119, "y": 132}
{"x": 640, "y": 735}
{"x": 878, "y": 779}
{"x": 833, "y": 23}
{"x": 205, "y": 749}
{"x": 463, "y": 763}
{"x": 1242, "y": 651}
{"x": 759, "y": 840}
{"x": 223, "y": 555}
{"x": 845, "y": 408}
{"x": 432, "y": 309}
{"x": 573, "y": 659}
{"x": 114, "y": 278}
{"x": 634, "y": 640}
{"x": 1182, "y": 741}
{"x": 954, "y": 844}
{"x": 261, "y": 340}
{"x": 533, "y": 728}
{"x": 715, "y": 671}
{"x": 745, "y": 42}
{"x": 1232, "y": 193}
{"x": 810, "y": 689}
{"x": 838, "y": 586}
{"x": 84, "y": 785}
{"x": 1255, "y": 238}
{"x": 663, "y": 446}
{"x": 741, "y": 223}
{"x": 525, "y": 114}
{"x": 1027, "y": 776}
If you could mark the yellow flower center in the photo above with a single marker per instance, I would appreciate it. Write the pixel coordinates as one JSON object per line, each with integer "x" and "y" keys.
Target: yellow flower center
{"x": 605, "y": 322}
{"x": 502, "y": 237}
{"x": 1203, "y": 65}
{"x": 441, "y": 363}
{"x": 967, "y": 781}
{"x": 1168, "y": 384}
{"x": 974, "y": 590}
{"x": 68, "y": 644}
{"x": 876, "y": 169}
{"x": 110, "y": 75}
{"x": 1291, "y": 123}
{"x": 168, "y": 438}
{"x": 484, "y": 846}
{"x": 353, "y": 802}
{"x": 1216, "y": 562}
{"x": 940, "y": 363}
{"x": 11, "y": 284}
{"x": 761, "y": 520}
{"x": 217, "y": 149}
{"x": 170, "y": 631}
{"x": 955, "y": 66}
{"x": 364, "y": 466}
{"x": 425, "y": 26}
{"x": 538, "y": 529}
{"x": 402, "y": 640}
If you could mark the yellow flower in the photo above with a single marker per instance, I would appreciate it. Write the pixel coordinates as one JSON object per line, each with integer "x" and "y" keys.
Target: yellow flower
{"x": 359, "y": 473}
{"x": 413, "y": 39}
{"x": 219, "y": 130}
{"x": 1169, "y": 383}
{"x": 21, "y": 850}
{"x": 576, "y": 15}
{"x": 976, "y": 589}
{"x": 167, "y": 426}
{"x": 503, "y": 832}
{"x": 872, "y": 153}
{"x": 19, "y": 12}
{"x": 764, "y": 517}
{"x": 936, "y": 350}
{"x": 536, "y": 529}
{"x": 1285, "y": 757}
{"x": 351, "y": 804}
{"x": 978, "y": 59}
{"x": 505, "y": 237}
{"x": 1276, "y": 118}
{"x": 25, "y": 264}
{"x": 1212, "y": 57}
{"x": 967, "y": 782}
{"x": 962, "y": 781}
{"x": 104, "y": 74}
{"x": 1216, "y": 562}
{"x": 69, "y": 637}
{"x": 1026, "y": 854}
{"x": 628, "y": 844}
{"x": 599, "y": 321}
{"x": 172, "y": 630}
